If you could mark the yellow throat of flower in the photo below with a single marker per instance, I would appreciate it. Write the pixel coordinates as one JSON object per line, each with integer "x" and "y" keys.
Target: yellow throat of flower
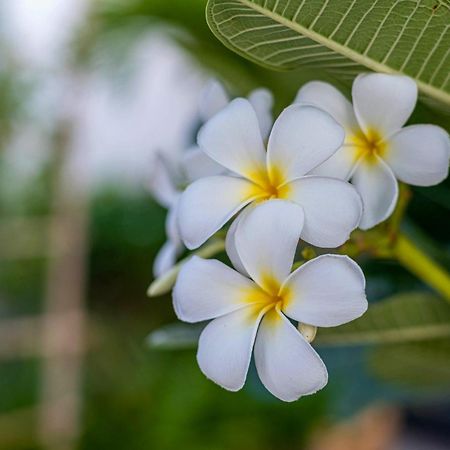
{"x": 268, "y": 183}
{"x": 369, "y": 145}
{"x": 268, "y": 298}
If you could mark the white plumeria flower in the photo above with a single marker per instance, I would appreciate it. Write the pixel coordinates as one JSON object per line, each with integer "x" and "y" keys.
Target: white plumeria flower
{"x": 302, "y": 138}
{"x": 166, "y": 184}
{"x": 252, "y": 312}
{"x": 215, "y": 98}
{"x": 377, "y": 150}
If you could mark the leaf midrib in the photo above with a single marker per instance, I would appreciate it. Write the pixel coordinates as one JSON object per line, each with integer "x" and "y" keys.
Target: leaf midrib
{"x": 393, "y": 335}
{"x": 345, "y": 51}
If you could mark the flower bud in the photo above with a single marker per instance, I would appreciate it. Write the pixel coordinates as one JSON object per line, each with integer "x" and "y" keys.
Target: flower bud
{"x": 308, "y": 331}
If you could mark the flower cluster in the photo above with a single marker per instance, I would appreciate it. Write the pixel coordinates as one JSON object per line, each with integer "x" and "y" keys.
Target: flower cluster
{"x": 278, "y": 188}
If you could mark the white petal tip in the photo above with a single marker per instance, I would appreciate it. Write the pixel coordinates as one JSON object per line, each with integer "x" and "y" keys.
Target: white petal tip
{"x": 192, "y": 245}
{"x": 297, "y": 396}
{"x": 222, "y": 384}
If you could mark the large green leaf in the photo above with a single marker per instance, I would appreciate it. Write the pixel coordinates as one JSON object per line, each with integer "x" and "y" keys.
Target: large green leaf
{"x": 406, "y": 317}
{"x": 342, "y": 37}
{"x": 418, "y": 364}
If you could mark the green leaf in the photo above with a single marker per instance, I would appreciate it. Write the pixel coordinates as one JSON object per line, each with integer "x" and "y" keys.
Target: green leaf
{"x": 419, "y": 364}
{"x": 403, "y": 318}
{"x": 343, "y": 37}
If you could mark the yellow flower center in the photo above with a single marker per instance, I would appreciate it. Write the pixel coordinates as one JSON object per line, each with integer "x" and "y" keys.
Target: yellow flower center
{"x": 369, "y": 144}
{"x": 268, "y": 184}
{"x": 268, "y": 297}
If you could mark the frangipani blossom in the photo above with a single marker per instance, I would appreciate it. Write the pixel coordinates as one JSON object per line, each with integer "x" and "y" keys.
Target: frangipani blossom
{"x": 302, "y": 138}
{"x": 252, "y": 312}
{"x": 167, "y": 181}
{"x": 377, "y": 150}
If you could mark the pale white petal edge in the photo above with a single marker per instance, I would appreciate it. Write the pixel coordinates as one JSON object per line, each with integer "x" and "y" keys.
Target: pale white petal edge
{"x": 225, "y": 348}
{"x": 327, "y": 291}
{"x": 287, "y": 365}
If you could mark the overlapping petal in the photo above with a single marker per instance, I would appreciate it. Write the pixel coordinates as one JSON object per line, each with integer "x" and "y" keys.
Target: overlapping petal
{"x": 171, "y": 225}
{"x": 332, "y": 209}
{"x": 378, "y": 188}
{"x": 302, "y": 138}
{"x": 419, "y": 154}
{"x": 197, "y": 164}
{"x": 206, "y": 289}
{"x": 161, "y": 182}
{"x": 266, "y": 240}
{"x": 169, "y": 252}
{"x": 166, "y": 258}
{"x": 340, "y": 165}
{"x": 207, "y": 204}
{"x": 214, "y": 98}
{"x": 230, "y": 242}
{"x": 233, "y": 138}
{"x": 328, "y": 98}
{"x": 262, "y": 101}
{"x": 287, "y": 365}
{"x": 383, "y": 102}
{"x": 326, "y": 291}
{"x": 225, "y": 347}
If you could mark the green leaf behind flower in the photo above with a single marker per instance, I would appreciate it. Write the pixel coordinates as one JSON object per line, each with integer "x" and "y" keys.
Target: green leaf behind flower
{"x": 407, "y": 317}
{"x": 342, "y": 37}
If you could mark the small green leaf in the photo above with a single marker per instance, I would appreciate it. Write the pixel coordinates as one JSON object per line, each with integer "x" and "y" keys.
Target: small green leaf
{"x": 175, "y": 336}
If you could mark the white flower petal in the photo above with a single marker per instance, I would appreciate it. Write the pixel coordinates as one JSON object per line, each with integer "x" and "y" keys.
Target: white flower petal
{"x": 332, "y": 209}
{"x": 162, "y": 182}
{"x": 287, "y": 365}
{"x": 230, "y": 242}
{"x": 340, "y": 165}
{"x": 167, "y": 255}
{"x": 207, "y": 288}
{"x": 225, "y": 348}
{"x": 266, "y": 240}
{"x": 198, "y": 165}
{"x": 328, "y": 98}
{"x": 419, "y": 154}
{"x": 214, "y": 98}
{"x": 262, "y": 101}
{"x": 166, "y": 258}
{"x": 172, "y": 231}
{"x": 207, "y": 204}
{"x": 326, "y": 291}
{"x": 302, "y": 138}
{"x": 378, "y": 188}
{"x": 383, "y": 102}
{"x": 233, "y": 139}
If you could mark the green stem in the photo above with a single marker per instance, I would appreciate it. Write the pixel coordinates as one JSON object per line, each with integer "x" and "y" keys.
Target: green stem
{"x": 417, "y": 262}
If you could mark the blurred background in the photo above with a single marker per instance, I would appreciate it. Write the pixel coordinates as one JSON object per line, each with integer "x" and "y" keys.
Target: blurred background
{"x": 89, "y": 92}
